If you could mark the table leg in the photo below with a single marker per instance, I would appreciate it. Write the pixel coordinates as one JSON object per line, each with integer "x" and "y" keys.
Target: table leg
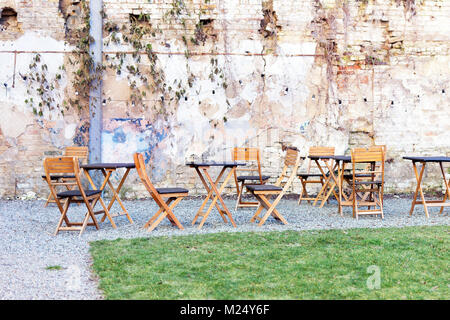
{"x": 115, "y": 192}
{"x": 213, "y": 189}
{"x": 419, "y": 189}
{"x": 333, "y": 185}
{"x": 102, "y": 203}
{"x": 88, "y": 176}
{"x": 210, "y": 191}
{"x": 218, "y": 192}
{"x": 325, "y": 184}
{"x": 341, "y": 183}
{"x": 446, "y": 196}
{"x": 447, "y": 188}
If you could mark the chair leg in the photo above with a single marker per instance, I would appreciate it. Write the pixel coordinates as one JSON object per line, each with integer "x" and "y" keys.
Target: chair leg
{"x": 354, "y": 210}
{"x": 303, "y": 192}
{"x": 158, "y": 217}
{"x": 153, "y": 218}
{"x": 380, "y": 199}
{"x": 270, "y": 207}
{"x": 172, "y": 217}
{"x": 258, "y": 211}
{"x": 107, "y": 214}
{"x": 89, "y": 214}
{"x": 240, "y": 203}
{"x": 92, "y": 204}
{"x": 63, "y": 216}
{"x": 49, "y": 198}
{"x": 240, "y": 191}
{"x": 83, "y": 226}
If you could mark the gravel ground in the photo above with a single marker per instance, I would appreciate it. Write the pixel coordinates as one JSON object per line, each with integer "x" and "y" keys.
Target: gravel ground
{"x": 28, "y": 247}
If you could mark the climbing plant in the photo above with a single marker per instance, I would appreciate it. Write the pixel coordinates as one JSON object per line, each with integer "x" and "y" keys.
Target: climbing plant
{"x": 145, "y": 78}
{"x": 141, "y": 66}
{"x": 42, "y": 87}
{"x": 85, "y": 74}
{"x": 41, "y": 83}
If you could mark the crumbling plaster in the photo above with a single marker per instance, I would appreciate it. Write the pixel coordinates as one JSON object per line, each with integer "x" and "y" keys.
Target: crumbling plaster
{"x": 335, "y": 72}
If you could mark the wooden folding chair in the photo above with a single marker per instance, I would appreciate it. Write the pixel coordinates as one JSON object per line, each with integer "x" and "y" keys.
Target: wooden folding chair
{"x": 313, "y": 151}
{"x": 70, "y": 166}
{"x": 247, "y": 154}
{"x": 348, "y": 176}
{"x": 369, "y": 181}
{"x": 173, "y": 195}
{"x": 81, "y": 153}
{"x": 261, "y": 192}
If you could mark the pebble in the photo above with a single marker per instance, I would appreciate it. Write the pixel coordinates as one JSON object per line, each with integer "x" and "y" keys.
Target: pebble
{"x": 28, "y": 246}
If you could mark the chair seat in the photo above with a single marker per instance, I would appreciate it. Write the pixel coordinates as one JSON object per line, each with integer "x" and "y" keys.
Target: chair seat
{"x": 263, "y": 187}
{"x": 368, "y": 182}
{"x": 77, "y": 193}
{"x": 242, "y": 178}
{"x": 358, "y": 175}
{"x": 306, "y": 175}
{"x": 171, "y": 190}
{"x": 56, "y": 177}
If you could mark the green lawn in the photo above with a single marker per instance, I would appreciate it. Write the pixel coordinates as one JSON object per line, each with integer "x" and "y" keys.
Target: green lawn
{"x": 413, "y": 262}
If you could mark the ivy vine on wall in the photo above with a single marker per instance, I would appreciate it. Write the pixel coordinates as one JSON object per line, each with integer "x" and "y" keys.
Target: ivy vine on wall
{"x": 144, "y": 72}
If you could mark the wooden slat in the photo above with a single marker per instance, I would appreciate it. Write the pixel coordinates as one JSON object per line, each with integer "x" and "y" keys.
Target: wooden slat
{"x": 438, "y": 204}
{"x": 321, "y": 151}
{"x": 80, "y": 152}
{"x": 369, "y": 212}
{"x": 59, "y": 165}
{"x": 365, "y": 155}
{"x": 245, "y": 154}
{"x": 291, "y": 157}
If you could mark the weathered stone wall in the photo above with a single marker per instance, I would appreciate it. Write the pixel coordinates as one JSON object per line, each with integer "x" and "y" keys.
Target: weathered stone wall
{"x": 229, "y": 73}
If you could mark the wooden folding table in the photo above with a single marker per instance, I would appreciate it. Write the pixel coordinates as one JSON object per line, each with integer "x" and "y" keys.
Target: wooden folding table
{"x": 331, "y": 180}
{"x": 212, "y": 187}
{"x": 419, "y": 176}
{"x": 107, "y": 169}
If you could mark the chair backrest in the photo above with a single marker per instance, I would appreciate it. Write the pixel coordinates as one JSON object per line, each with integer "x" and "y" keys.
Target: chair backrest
{"x": 374, "y": 157}
{"x": 62, "y": 165}
{"x": 248, "y": 154}
{"x": 378, "y": 148}
{"x": 140, "y": 168}
{"x": 291, "y": 163}
{"x": 59, "y": 165}
{"x": 366, "y": 155}
{"x": 79, "y": 152}
{"x": 319, "y": 151}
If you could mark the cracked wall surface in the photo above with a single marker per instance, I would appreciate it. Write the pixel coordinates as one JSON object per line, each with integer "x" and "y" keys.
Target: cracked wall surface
{"x": 341, "y": 73}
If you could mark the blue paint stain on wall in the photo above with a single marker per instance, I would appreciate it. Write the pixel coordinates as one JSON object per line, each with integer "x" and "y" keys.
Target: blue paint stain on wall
{"x": 304, "y": 127}
{"x": 81, "y": 136}
{"x": 119, "y": 136}
{"x": 122, "y": 137}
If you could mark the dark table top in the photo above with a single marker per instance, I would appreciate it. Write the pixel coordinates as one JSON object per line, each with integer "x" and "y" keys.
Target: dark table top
{"x": 215, "y": 164}
{"x": 337, "y": 158}
{"x": 343, "y": 158}
{"x": 97, "y": 166}
{"x": 427, "y": 158}
{"x": 320, "y": 157}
